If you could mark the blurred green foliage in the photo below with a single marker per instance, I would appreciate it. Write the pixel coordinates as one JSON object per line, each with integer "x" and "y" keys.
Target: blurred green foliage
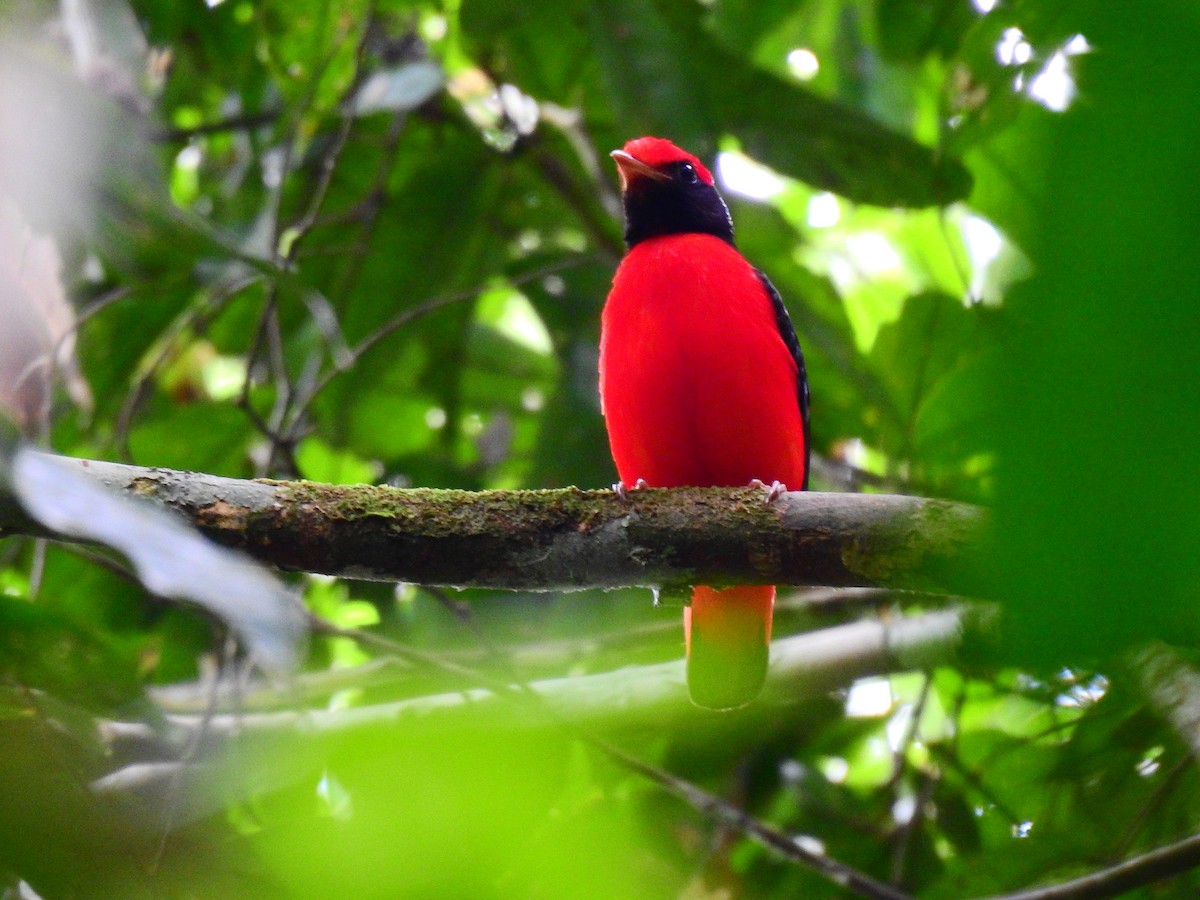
{"x": 370, "y": 241}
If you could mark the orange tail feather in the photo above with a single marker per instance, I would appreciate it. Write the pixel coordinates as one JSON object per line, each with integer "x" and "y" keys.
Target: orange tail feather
{"x": 728, "y": 636}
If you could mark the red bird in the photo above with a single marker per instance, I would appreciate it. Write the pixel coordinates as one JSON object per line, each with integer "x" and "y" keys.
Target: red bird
{"x": 702, "y": 383}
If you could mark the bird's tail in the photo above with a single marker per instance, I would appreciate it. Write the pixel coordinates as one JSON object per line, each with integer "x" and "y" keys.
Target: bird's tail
{"x": 728, "y": 636}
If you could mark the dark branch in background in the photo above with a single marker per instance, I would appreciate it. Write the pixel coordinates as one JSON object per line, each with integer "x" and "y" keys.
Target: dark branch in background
{"x": 578, "y": 197}
{"x": 1167, "y": 787}
{"x": 244, "y": 122}
{"x": 1165, "y": 862}
{"x": 787, "y": 846}
{"x": 566, "y": 539}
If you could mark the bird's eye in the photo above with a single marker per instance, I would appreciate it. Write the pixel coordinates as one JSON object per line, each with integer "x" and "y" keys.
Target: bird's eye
{"x": 687, "y": 173}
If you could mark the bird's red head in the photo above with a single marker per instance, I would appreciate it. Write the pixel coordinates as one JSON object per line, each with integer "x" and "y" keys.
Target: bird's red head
{"x": 658, "y": 154}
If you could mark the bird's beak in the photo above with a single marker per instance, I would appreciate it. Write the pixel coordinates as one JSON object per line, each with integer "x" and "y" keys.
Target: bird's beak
{"x": 630, "y": 167}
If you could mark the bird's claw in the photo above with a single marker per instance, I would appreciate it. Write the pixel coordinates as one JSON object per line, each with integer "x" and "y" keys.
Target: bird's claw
{"x": 623, "y": 492}
{"x": 774, "y": 489}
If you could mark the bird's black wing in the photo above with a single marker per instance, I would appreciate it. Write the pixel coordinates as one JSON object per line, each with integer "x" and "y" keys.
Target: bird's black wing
{"x": 788, "y": 333}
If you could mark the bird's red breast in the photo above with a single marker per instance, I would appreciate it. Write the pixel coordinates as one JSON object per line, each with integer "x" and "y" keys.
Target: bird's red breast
{"x": 697, "y": 384}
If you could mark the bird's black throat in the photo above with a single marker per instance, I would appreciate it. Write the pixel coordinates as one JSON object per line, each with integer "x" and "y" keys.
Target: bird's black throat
{"x": 654, "y": 208}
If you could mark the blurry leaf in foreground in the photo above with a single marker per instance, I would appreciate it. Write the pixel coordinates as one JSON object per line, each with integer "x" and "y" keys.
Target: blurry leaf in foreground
{"x": 458, "y": 812}
{"x": 1096, "y": 417}
{"x": 171, "y": 559}
{"x": 60, "y": 140}
{"x": 38, "y": 334}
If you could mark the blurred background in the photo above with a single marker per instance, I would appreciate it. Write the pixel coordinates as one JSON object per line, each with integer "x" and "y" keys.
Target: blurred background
{"x": 370, "y": 241}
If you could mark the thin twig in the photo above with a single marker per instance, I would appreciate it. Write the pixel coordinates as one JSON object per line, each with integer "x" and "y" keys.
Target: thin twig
{"x": 284, "y": 392}
{"x": 900, "y": 765}
{"x": 570, "y": 123}
{"x": 243, "y": 122}
{"x": 259, "y": 339}
{"x": 193, "y": 317}
{"x": 927, "y": 784}
{"x": 1157, "y": 865}
{"x": 413, "y": 313}
{"x": 900, "y": 757}
{"x": 795, "y": 849}
{"x": 973, "y": 780}
{"x": 579, "y": 198}
{"x": 1164, "y": 790}
{"x": 369, "y": 209}
{"x": 281, "y": 427}
{"x": 177, "y": 782}
{"x": 95, "y": 306}
{"x": 101, "y": 560}
{"x": 50, "y": 364}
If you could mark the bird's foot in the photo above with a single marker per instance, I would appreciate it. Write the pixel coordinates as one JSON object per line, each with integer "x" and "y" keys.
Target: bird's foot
{"x": 774, "y": 489}
{"x": 622, "y": 490}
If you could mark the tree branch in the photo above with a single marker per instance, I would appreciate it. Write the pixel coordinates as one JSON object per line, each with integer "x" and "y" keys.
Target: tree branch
{"x": 801, "y": 666}
{"x": 1165, "y": 862}
{"x": 797, "y": 848}
{"x": 564, "y": 539}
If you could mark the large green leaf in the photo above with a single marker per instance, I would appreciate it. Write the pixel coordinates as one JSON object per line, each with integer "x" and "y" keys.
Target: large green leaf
{"x": 935, "y": 337}
{"x": 666, "y": 75}
{"x": 1097, "y": 368}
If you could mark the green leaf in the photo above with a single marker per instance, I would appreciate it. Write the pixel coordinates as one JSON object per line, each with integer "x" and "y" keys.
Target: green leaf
{"x": 320, "y": 462}
{"x": 666, "y": 75}
{"x": 910, "y": 30}
{"x": 44, "y": 651}
{"x": 205, "y": 436}
{"x": 935, "y": 337}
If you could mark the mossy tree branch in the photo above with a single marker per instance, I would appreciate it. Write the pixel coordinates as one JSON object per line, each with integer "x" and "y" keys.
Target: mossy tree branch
{"x": 564, "y": 539}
